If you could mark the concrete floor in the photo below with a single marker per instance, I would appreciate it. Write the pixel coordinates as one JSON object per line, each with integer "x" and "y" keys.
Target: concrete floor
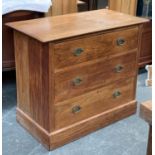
{"x": 126, "y": 137}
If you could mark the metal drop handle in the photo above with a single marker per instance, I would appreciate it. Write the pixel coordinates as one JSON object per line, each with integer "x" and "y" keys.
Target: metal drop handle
{"x": 116, "y": 94}
{"x": 77, "y": 81}
{"x": 76, "y": 109}
{"x": 78, "y": 51}
{"x": 120, "y": 41}
{"x": 119, "y": 68}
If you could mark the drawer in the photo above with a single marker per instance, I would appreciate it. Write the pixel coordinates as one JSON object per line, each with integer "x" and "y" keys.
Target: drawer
{"x": 94, "y": 102}
{"x": 78, "y": 80}
{"x": 89, "y": 48}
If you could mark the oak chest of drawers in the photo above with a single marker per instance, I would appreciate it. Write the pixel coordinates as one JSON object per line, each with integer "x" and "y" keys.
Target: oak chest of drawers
{"x": 75, "y": 73}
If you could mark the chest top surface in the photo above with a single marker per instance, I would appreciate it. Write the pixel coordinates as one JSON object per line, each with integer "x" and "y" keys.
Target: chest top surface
{"x": 76, "y": 24}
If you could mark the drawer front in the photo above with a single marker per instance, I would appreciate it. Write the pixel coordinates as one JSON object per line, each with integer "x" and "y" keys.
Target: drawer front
{"x": 81, "y": 50}
{"x": 95, "y": 102}
{"x": 78, "y": 80}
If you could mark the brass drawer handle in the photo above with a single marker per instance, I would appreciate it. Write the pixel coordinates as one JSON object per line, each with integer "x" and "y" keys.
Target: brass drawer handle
{"x": 119, "y": 68}
{"x": 77, "y": 81}
{"x": 78, "y": 51}
{"x": 116, "y": 94}
{"x": 76, "y": 109}
{"x": 120, "y": 41}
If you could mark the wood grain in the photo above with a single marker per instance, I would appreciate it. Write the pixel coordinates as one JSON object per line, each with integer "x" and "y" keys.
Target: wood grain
{"x": 75, "y": 131}
{"x": 58, "y": 138}
{"x": 32, "y": 87}
{"x": 60, "y": 7}
{"x": 146, "y": 114}
{"x": 115, "y": 5}
{"x": 125, "y": 6}
{"x": 105, "y": 45}
{"x": 146, "y": 111}
{"x": 46, "y": 95}
{"x": 146, "y": 46}
{"x": 93, "y": 75}
{"x": 8, "y": 55}
{"x": 94, "y": 102}
{"x": 51, "y": 87}
{"x": 69, "y": 6}
{"x": 34, "y": 128}
{"x": 22, "y": 72}
{"x": 57, "y": 7}
{"x": 61, "y": 27}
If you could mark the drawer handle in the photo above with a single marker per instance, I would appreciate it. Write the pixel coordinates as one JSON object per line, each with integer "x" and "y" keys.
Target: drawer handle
{"x": 78, "y": 51}
{"x": 116, "y": 94}
{"x": 119, "y": 68}
{"x": 120, "y": 41}
{"x": 76, "y": 109}
{"x": 77, "y": 81}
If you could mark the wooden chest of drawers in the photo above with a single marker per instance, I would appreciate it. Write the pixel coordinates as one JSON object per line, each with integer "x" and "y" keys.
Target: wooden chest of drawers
{"x": 75, "y": 73}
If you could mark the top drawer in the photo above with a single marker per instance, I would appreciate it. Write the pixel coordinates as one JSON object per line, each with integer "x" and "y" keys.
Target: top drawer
{"x": 81, "y": 50}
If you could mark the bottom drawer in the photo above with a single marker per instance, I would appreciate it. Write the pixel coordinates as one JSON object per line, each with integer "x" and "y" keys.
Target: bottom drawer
{"x": 94, "y": 102}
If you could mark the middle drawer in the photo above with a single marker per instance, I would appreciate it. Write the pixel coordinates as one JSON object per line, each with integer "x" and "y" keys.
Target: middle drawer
{"x": 78, "y": 80}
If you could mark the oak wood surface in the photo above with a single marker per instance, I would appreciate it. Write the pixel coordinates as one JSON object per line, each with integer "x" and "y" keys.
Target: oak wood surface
{"x": 125, "y": 6}
{"x": 8, "y": 56}
{"x": 73, "y": 132}
{"x": 93, "y": 75}
{"x": 44, "y": 106}
{"x": 32, "y": 86}
{"x": 60, "y": 137}
{"x": 146, "y": 114}
{"x": 94, "y": 102}
{"x": 34, "y": 128}
{"x": 130, "y": 7}
{"x": 146, "y": 111}
{"x": 146, "y": 46}
{"x": 65, "y": 26}
{"x": 105, "y": 45}
{"x": 60, "y": 7}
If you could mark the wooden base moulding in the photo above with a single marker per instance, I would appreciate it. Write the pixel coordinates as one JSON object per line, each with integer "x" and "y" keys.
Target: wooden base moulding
{"x": 65, "y": 135}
